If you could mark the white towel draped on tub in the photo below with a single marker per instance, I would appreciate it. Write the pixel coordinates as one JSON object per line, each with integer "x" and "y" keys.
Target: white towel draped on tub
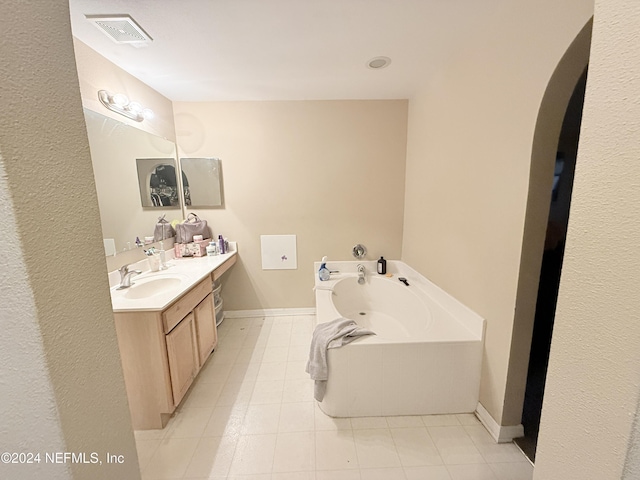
{"x": 327, "y": 335}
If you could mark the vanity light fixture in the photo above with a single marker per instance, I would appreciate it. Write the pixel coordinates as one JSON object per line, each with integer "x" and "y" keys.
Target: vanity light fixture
{"x": 119, "y": 103}
{"x": 376, "y": 63}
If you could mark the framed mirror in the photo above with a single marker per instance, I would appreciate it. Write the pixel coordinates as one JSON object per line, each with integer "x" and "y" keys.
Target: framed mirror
{"x": 158, "y": 183}
{"x": 202, "y": 182}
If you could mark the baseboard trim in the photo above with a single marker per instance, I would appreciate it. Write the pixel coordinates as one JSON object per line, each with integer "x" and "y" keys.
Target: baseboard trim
{"x": 268, "y": 312}
{"x": 500, "y": 433}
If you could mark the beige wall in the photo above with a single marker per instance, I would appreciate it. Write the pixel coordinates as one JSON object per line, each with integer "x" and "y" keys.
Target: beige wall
{"x": 330, "y": 172}
{"x": 97, "y": 73}
{"x": 61, "y": 319}
{"x": 593, "y": 377}
{"x": 468, "y": 161}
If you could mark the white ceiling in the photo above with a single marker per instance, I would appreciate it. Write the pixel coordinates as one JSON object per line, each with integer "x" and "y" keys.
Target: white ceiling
{"x": 205, "y": 50}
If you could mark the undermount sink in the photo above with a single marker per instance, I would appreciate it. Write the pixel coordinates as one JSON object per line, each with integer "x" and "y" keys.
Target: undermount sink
{"x": 151, "y": 286}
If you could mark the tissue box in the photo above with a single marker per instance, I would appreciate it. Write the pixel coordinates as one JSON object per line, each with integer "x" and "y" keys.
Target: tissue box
{"x": 193, "y": 249}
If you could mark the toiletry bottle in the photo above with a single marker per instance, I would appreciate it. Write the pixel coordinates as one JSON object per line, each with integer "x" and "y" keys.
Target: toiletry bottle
{"x": 221, "y": 244}
{"x": 323, "y": 273}
{"x": 382, "y": 266}
{"x": 212, "y": 250}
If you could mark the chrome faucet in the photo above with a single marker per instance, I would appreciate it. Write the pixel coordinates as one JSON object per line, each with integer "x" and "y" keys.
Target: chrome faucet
{"x": 361, "y": 274}
{"x": 125, "y": 276}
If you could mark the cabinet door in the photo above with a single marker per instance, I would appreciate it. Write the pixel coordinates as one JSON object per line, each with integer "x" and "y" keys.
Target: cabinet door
{"x": 183, "y": 357}
{"x": 206, "y": 328}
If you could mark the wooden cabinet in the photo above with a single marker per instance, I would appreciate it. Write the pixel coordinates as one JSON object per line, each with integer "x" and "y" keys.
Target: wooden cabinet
{"x": 206, "y": 332}
{"x": 163, "y": 351}
{"x": 182, "y": 353}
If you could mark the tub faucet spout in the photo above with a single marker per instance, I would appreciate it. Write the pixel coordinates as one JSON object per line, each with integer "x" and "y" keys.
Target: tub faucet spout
{"x": 361, "y": 274}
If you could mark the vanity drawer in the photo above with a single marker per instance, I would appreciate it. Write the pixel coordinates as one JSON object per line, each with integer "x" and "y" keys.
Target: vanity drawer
{"x": 176, "y": 312}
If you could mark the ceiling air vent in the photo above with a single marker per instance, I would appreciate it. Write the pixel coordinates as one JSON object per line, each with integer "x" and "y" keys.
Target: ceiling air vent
{"x": 120, "y": 29}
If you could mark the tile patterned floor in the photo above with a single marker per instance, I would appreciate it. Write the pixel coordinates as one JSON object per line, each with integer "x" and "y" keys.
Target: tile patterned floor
{"x": 250, "y": 416}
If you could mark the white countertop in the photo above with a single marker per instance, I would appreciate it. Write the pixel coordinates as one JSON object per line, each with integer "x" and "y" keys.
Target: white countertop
{"x": 188, "y": 272}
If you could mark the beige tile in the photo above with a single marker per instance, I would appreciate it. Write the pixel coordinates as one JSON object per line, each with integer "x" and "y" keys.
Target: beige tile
{"x": 250, "y": 353}
{"x": 324, "y": 422}
{"x": 454, "y": 445}
{"x": 296, "y": 417}
{"x": 146, "y": 449}
{"x": 224, "y": 354}
{"x": 293, "y": 476}
{"x": 261, "y": 419}
{"x": 275, "y": 354}
{"x": 415, "y": 447}
{"x": 296, "y": 371}
{"x": 242, "y": 372}
{"x": 297, "y": 391}
{"x": 236, "y": 393}
{"x": 512, "y": 471}
{"x": 468, "y": 419}
{"x": 254, "y": 455}
{"x": 476, "y": 471}
{"x": 189, "y": 422}
{"x": 479, "y": 434}
{"x": 440, "y": 420}
{"x": 267, "y": 391}
{"x": 272, "y": 371}
{"x": 150, "y": 434}
{"x": 171, "y": 458}
{"x": 202, "y": 395}
{"x": 225, "y": 420}
{"x": 405, "y": 421}
{"x": 335, "y": 450}
{"x": 359, "y": 423}
{"x": 298, "y": 353}
{"x": 427, "y": 473}
{"x": 338, "y": 475}
{"x": 214, "y": 373}
{"x": 375, "y": 448}
{"x": 262, "y": 476}
{"x": 500, "y": 452}
{"x": 295, "y": 452}
{"x": 382, "y": 474}
{"x": 212, "y": 456}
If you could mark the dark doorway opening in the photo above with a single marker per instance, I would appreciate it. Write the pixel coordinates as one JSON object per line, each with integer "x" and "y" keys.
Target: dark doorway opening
{"x": 551, "y": 269}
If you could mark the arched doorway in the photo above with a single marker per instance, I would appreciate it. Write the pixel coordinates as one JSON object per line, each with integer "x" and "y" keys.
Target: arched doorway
{"x": 543, "y": 162}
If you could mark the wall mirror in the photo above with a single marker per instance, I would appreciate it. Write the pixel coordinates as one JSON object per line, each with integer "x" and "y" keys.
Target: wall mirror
{"x": 158, "y": 183}
{"x": 202, "y": 182}
{"x": 115, "y": 148}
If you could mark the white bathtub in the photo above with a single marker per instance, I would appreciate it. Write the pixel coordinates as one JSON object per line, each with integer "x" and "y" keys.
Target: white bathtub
{"x": 425, "y": 357}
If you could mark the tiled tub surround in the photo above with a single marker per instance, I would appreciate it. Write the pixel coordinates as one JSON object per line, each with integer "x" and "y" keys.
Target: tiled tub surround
{"x": 426, "y": 356}
{"x": 250, "y": 415}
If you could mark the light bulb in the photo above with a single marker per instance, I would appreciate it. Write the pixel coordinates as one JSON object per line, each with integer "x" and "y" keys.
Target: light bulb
{"x": 148, "y": 114}
{"x": 120, "y": 99}
{"x": 134, "y": 107}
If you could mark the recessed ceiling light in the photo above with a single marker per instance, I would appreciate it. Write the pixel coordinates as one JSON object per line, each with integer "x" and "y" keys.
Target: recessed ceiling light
{"x": 377, "y": 63}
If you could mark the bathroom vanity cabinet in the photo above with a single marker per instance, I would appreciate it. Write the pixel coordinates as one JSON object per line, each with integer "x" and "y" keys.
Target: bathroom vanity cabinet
{"x": 162, "y": 351}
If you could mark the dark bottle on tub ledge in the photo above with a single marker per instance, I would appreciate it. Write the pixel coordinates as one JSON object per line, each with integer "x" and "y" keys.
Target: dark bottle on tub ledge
{"x": 382, "y": 266}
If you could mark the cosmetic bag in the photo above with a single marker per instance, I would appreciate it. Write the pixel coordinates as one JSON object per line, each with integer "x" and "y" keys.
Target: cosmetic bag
{"x": 190, "y": 227}
{"x": 163, "y": 230}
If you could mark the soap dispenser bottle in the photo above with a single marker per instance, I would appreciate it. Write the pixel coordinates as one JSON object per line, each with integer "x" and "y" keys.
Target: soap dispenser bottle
{"x": 382, "y": 266}
{"x": 323, "y": 273}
